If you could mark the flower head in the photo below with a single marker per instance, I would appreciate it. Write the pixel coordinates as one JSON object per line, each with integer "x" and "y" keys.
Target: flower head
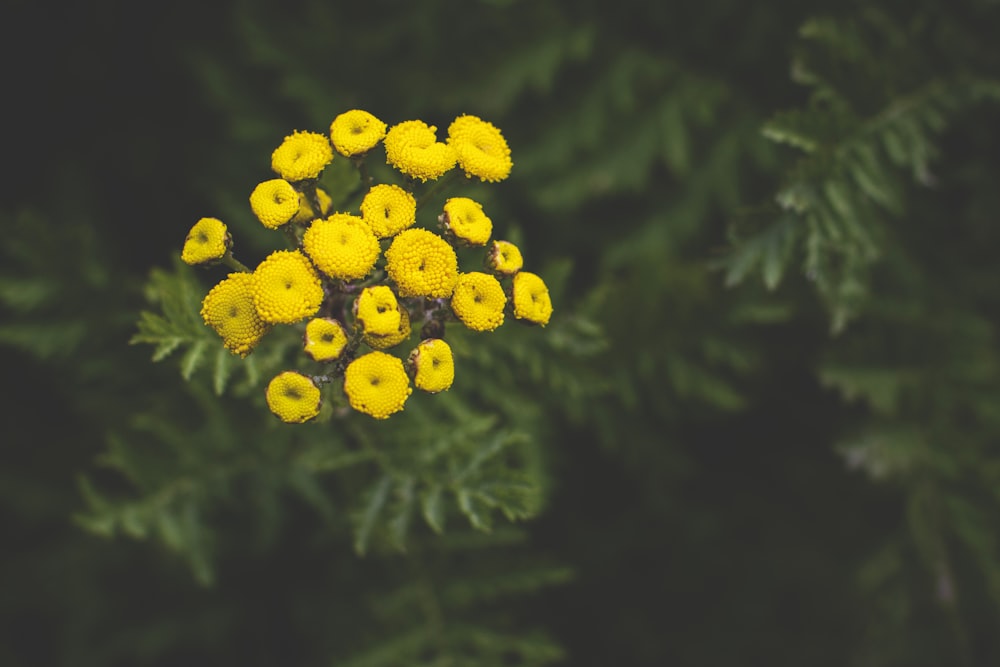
{"x": 274, "y": 202}
{"x": 531, "y": 298}
{"x": 325, "y": 339}
{"x": 376, "y": 384}
{"x": 228, "y": 308}
{"x": 480, "y": 148}
{"x": 465, "y": 218}
{"x": 504, "y": 258}
{"x": 421, "y": 263}
{"x": 377, "y": 311}
{"x": 286, "y": 288}
{"x": 432, "y": 365}
{"x": 478, "y": 301}
{"x": 342, "y": 246}
{"x": 388, "y": 210}
{"x": 293, "y": 397}
{"x": 412, "y": 148}
{"x": 301, "y": 155}
{"x": 356, "y": 132}
{"x": 401, "y": 333}
{"x": 306, "y": 213}
{"x": 208, "y": 241}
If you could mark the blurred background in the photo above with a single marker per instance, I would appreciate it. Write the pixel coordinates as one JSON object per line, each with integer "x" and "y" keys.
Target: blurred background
{"x": 764, "y": 423}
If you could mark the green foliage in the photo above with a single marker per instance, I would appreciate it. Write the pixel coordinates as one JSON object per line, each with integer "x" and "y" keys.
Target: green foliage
{"x": 665, "y": 448}
{"x": 876, "y": 111}
{"x": 36, "y": 295}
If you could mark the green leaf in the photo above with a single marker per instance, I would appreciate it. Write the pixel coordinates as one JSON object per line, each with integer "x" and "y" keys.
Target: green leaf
{"x": 192, "y": 358}
{"x": 377, "y": 497}
{"x": 223, "y": 370}
{"x": 432, "y": 504}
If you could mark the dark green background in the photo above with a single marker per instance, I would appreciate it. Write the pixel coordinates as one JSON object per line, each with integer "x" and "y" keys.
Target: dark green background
{"x": 700, "y": 499}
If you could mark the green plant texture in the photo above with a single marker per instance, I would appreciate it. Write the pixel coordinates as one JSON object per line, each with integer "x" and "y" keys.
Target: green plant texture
{"x": 759, "y": 428}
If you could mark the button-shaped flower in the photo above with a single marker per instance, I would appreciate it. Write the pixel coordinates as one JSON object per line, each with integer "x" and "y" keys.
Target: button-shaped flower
{"x": 531, "y": 299}
{"x": 286, "y": 288}
{"x": 293, "y": 397}
{"x": 388, "y": 210}
{"x": 465, "y": 219}
{"x": 341, "y": 246}
{"x": 301, "y": 155}
{"x": 504, "y": 257}
{"x": 274, "y": 202}
{"x": 401, "y": 334}
{"x": 377, "y": 311}
{"x": 356, "y": 132}
{"x": 412, "y": 148}
{"x": 376, "y": 384}
{"x": 478, "y": 301}
{"x": 208, "y": 241}
{"x": 480, "y": 148}
{"x": 306, "y": 213}
{"x": 229, "y": 309}
{"x": 432, "y": 365}
{"x": 421, "y": 263}
{"x": 325, "y": 339}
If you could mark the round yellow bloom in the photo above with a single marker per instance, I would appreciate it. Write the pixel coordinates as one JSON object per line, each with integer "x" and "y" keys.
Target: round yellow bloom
{"x": 395, "y": 338}
{"x": 465, "y": 218}
{"x": 306, "y": 212}
{"x": 342, "y": 246}
{"x": 377, "y": 384}
{"x": 228, "y": 308}
{"x": 301, "y": 155}
{"x": 388, "y": 210}
{"x": 412, "y": 148}
{"x": 531, "y": 298}
{"x": 377, "y": 311}
{"x": 478, "y": 301}
{"x": 432, "y": 365}
{"x": 355, "y": 132}
{"x": 504, "y": 258}
{"x": 274, "y": 202}
{"x": 286, "y": 288}
{"x": 208, "y": 241}
{"x": 325, "y": 339}
{"x": 480, "y": 148}
{"x": 293, "y": 397}
{"x": 421, "y": 263}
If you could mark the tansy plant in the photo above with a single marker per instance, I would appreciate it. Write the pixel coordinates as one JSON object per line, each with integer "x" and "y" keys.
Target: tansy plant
{"x": 361, "y": 285}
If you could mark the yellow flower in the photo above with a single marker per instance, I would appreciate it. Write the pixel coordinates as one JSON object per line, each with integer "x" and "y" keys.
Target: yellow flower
{"x": 286, "y": 288}
{"x": 421, "y": 263}
{"x": 274, "y": 202}
{"x": 478, "y": 301}
{"x": 377, "y": 384}
{"x": 531, "y": 298}
{"x": 306, "y": 212}
{"x": 342, "y": 246}
{"x": 385, "y": 342}
{"x": 504, "y": 258}
{"x": 388, "y": 210}
{"x": 325, "y": 339}
{"x": 293, "y": 397}
{"x": 432, "y": 365}
{"x": 228, "y": 308}
{"x": 412, "y": 148}
{"x": 377, "y": 311}
{"x": 480, "y": 148}
{"x": 301, "y": 155}
{"x": 465, "y": 219}
{"x": 207, "y": 241}
{"x": 355, "y": 132}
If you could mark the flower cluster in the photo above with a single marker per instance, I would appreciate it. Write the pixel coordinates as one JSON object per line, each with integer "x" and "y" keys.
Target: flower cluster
{"x": 359, "y": 284}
